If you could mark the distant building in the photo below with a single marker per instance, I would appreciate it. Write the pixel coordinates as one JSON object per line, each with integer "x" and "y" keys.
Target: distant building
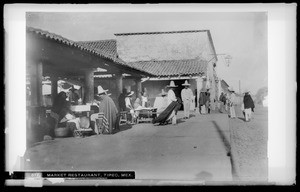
{"x": 174, "y": 55}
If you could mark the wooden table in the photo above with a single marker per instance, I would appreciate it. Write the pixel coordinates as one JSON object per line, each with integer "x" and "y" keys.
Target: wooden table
{"x": 146, "y": 114}
{"x": 81, "y": 108}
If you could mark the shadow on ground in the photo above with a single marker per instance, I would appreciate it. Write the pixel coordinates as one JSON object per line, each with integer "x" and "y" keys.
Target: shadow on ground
{"x": 204, "y": 175}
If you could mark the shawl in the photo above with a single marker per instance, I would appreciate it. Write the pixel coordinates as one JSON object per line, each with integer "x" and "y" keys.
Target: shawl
{"x": 248, "y": 102}
{"x": 108, "y": 107}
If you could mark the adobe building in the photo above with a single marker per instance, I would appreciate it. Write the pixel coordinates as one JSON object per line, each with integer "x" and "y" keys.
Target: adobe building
{"x": 174, "y": 55}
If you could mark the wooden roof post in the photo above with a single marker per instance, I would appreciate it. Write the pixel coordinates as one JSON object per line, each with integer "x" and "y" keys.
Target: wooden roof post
{"x": 54, "y": 80}
{"x": 89, "y": 85}
{"x": 119, "y": 83}
{"x": 40, "y": 83}
{"x": 138, "y": 83}
{"x": 36, "y": 78}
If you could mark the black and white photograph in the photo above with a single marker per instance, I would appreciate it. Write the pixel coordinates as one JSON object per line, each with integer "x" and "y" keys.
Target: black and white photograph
{"x": 149, "y": 95}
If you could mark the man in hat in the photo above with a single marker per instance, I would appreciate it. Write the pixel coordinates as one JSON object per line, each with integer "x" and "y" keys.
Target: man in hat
{"x": 232, "y": 99}
{"x": 73, "y": 96}
{"x": 129, "y": 107}
{"x": 202, "y": 101}
{"x": 207, "y": 101}
{"x": 108, "y": 108}
{"x": 121, "y": 100}
{"x": 186, "y": 96}
{"x": 172, "y": 97}
{"x": 248, "y": 105}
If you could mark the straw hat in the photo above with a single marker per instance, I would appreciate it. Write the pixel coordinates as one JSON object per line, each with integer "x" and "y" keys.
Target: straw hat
{"x": 73, "y": 88}
{"x": 230, "y": 89}
{"x": 246, "y": 91}
{"x": 172, "y": 84}
{"x": 101, "y": 90}
{"x": 163, "y": 93}
{"x": 130, "y": 94}
{"x": 186, "y": 83}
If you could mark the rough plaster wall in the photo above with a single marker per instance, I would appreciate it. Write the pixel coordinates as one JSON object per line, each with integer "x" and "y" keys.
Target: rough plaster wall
{"x": 174, "y": 46}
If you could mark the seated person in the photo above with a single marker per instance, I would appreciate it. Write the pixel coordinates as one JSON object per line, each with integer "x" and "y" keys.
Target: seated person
{"x": 163, "y": 104}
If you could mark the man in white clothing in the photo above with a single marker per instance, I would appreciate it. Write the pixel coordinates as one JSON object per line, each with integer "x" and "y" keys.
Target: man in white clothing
{"x": 232, "y": 103}
{"x": 171, "y": 98}
{"x": 186, "y": 96}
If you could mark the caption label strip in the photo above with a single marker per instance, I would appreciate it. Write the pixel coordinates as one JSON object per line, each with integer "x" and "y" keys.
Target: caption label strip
{"x": 75, "y": 175}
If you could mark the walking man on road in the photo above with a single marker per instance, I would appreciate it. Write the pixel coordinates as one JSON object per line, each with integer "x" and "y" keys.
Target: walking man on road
{"x": 186, "y": 96}
{"x": 232, "y": 100}
{"x": 248, "y": 105}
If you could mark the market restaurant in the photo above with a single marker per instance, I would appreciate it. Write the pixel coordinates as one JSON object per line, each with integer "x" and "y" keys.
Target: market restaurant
{"x": 53, "y": 56}
{"x": 169, "y": 55}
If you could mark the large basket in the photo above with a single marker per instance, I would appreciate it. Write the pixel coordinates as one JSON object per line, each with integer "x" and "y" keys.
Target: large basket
{"x": 62, "y": 132}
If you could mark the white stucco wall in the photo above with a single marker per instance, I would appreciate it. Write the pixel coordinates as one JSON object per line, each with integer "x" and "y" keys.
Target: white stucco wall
{"x": 172, "y": 46}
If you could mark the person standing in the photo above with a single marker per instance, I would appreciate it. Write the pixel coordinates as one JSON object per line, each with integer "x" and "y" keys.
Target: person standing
{"x": 207, "y": 101}
{"x": 144, "y": 99}
{"x": 121, "y": 100}
{"x": 172, "y": 97}
{"x": 186, "y": 96}
{"x": 129, "y": 107}
{"x": 108, "y": 108}
{"x": 202, "y": 101}
{"x": 248, "y": 105}
{"x": 73, "y": 96}
{"x": 232, "y": 99}
{"x": 222, "y": 101}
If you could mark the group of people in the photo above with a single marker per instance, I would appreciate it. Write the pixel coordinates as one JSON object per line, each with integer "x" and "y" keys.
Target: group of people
{"x": 166, "y": 111}
{"x": 229, "y": 101}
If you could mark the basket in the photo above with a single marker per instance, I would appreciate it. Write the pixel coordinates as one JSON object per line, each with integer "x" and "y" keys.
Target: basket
{"x": 61, "y": 132}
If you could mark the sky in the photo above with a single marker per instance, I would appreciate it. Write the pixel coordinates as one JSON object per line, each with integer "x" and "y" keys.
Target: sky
{"x": 242, "y": 35}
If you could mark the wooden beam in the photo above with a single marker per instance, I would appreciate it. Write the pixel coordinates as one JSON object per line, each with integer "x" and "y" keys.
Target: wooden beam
{"x": 39, "y": 83}
{"x": 54, "y": 80}
{"x": 89, "y": 86}
{"x": 119, "y": 82}
{"x": 138, "y": 83}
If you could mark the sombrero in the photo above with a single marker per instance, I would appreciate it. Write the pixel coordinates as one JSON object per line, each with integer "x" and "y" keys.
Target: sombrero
{"x": 101, "y": 90}
{"x": 130, "y": 94}
{"x": 163, "y": 93}
{"x": 246, "y": 91}
{"x": 230, "y": 89}
{"x": 172, "y": 84}
{"x": 186, "y": 83}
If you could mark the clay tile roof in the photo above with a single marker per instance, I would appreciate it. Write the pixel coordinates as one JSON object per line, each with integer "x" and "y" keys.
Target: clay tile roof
{"x": 162, "y": 32}
{"x": 105, "y": 49}
{"x": 157, "y": 68}
{"x": 172, "y": 67}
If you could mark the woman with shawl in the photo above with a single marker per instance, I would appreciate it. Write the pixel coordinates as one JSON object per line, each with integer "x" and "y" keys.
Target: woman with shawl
{"x": 108, "y": 108}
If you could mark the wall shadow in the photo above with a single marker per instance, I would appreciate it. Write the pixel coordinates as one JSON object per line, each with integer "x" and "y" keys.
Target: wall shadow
{"x": 204, "y": 175}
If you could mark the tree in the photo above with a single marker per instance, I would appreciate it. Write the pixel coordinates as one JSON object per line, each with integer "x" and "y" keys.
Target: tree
{"x": 260, "y": 95}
